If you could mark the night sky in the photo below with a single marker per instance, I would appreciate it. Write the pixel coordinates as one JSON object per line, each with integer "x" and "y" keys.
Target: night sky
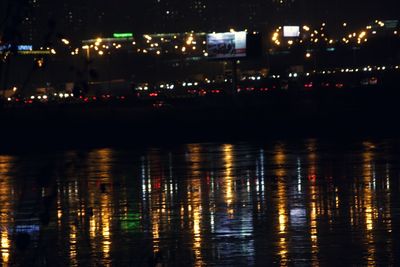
{"x": 85, "y": 19}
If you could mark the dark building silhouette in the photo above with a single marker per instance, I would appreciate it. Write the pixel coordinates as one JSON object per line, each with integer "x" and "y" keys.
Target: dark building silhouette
{"x": 77, "y": 19}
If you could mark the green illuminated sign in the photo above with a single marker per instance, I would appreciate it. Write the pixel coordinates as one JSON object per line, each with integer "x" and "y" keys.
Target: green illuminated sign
{"x": 123, "y": 35}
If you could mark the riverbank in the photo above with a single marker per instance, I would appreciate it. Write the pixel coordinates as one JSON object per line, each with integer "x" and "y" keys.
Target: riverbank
{"x": 330, "y": 114}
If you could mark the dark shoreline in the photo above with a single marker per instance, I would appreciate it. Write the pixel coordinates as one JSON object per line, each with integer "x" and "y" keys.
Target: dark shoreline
{"x": 366, "y": 113}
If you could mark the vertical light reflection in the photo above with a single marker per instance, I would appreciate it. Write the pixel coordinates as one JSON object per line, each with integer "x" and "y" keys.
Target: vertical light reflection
{"x": 280, "y": 173}
{"x": 100, "y": 222}
{"x": 195, "y": 202}
{"x": 73, "y": 246}
{"x": 6, "y": 198}
{"x": 229, "y": 165}
{"x": 369, "y": 209}
{"x": 299, "y": 177}
{"x": 5, "y": 246}
{"x": 105, "y": 223}
{"x": 312, "y": 177}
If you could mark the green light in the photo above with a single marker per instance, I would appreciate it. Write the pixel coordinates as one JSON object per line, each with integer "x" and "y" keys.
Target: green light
{"x": 123, "y": 35}
{"x": 131, "y": 222}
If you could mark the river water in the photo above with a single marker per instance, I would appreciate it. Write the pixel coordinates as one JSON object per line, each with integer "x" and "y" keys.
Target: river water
{"x": 305, "y": 203}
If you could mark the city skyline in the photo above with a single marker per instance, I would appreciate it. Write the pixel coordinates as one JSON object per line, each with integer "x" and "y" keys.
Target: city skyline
{"x": 37, "y": 21}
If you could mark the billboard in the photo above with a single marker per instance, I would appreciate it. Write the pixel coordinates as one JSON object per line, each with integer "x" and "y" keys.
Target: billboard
{"x": 291, "y": 31}
{"x": 226, "y": 45}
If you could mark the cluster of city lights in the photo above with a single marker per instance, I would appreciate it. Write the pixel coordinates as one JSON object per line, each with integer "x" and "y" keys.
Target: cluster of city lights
{"x": 318, "y": 34}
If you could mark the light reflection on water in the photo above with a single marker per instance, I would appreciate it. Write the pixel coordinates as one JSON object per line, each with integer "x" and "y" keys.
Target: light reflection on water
{"x": 204, "y": 204}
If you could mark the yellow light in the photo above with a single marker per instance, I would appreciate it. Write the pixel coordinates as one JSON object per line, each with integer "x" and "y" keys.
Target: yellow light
{"x": 308, "y": 55}
{"x": 362, "y": 34}
{"x": 158, "y": 52}
{"x": 65, "y": 41}
{"x": 189, "y": 40}
{"x": 101, "y": 53}
{"x": 53, "y": 51}
{"x": 99, "y": 40}
{"x": 85, "y": 47}
{"x": 306, "y": 28}
{"x": 232, "y": 30}
{"x": 290, "y": 42}
{"x": 344, "y": 24}
{"x": 183, "y": 49}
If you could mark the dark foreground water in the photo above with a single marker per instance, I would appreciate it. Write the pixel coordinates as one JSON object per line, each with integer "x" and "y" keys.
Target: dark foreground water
{"x": 278, "y": 204}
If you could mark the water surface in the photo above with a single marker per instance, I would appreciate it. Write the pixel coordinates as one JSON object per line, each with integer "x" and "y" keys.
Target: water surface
{"x": 277, "y": 204}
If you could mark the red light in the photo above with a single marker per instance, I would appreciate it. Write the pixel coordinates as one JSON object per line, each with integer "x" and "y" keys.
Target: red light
{"x": 153, "y": 94}
{"x": 312, "y": 177}
{"x": 308, "y": 85}
{"x": 122, "y": 97}
{"x": 339, "y": 85}
{"x": 94, "y": 98}
{"x": 202, "y": 92}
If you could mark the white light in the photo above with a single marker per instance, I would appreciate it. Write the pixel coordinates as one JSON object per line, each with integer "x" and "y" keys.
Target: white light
{"x": 33, "y": 97}
{"x": 61, "y": 95}
{"x": 9, "y": 99}
{"x": 44, "y": 96}
{"x": 66, "y": 95}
